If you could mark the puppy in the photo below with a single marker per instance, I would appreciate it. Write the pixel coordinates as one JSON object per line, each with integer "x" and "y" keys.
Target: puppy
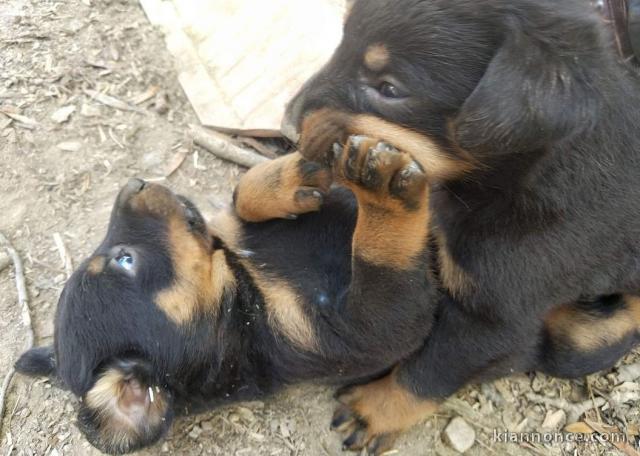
{"x": 526, "y": 123}
{"x": 170, "y": 317}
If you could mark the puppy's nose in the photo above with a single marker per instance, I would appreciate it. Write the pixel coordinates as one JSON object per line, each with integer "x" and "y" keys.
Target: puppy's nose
{"x": 132, "y": 187}
{"x": 135, "y": 185}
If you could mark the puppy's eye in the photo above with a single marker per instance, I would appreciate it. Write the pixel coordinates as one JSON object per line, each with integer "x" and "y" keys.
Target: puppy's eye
{"x": 125, "y": 261}
{"x": 389, "y": 90}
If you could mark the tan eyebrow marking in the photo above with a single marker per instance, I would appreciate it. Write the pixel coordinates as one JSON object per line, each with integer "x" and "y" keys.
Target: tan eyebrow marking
{"x": 376, "y": 57}
{"x": 96, "y": 265}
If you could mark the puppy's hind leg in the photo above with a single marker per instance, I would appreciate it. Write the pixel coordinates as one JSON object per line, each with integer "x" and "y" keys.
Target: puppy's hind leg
{"x": 584, "y": 337}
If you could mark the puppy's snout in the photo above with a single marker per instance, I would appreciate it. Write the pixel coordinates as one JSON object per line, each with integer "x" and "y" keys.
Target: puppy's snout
{"x": 135, "y": 185}
{"x": 131, "y": 188}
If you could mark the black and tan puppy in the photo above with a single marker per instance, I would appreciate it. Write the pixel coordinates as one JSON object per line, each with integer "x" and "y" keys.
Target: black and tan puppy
{"x": 527, "y": 124}
{"x": 169, "y": 316}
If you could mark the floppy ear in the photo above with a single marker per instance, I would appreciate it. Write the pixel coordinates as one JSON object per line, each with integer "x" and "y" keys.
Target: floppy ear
{"x": 536, "y": 89}
{"x": 124, "y": 410}
{"x": 39, "y": 361}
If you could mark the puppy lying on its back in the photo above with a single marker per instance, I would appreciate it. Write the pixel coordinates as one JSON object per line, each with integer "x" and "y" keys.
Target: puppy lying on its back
{"x": 168, "y": 316}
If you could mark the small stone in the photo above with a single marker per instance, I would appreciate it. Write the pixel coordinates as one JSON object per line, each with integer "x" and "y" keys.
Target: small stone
{"x": 54, "y": 452}
{"x": 62, "y": 115}
{"x": 245, "y": 414}
{"x": 554, "y": 420}
{"x": 4, "y": 261}
{"x": 629, "y": 373}
{"x": 459, "y": 435}
{"x": 165, "y": 447}
{"x": 69, "y": 146}
{"x": 207, "y": 426}
{"x": 195, "y": 432}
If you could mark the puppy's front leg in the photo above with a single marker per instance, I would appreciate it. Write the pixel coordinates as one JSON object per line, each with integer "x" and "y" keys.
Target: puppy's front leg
{"x": 282, "y": 188}
{"x": 391, "y": 298}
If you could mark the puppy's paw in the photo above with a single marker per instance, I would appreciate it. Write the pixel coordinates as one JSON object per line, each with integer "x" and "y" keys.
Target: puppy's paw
{"x": 284, "y": 188}
{"x": 375, "y": 167}
{"x": 372, "y": 416}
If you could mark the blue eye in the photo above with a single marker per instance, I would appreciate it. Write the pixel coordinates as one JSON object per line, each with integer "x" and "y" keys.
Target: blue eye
{"x": 125, "y": 261}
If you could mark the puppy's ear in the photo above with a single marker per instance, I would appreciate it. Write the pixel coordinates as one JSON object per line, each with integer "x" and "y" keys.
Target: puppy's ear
{"x": 39, "y": 361}
{"x": 124, "y": 410}
{"x": 536, "y": 89}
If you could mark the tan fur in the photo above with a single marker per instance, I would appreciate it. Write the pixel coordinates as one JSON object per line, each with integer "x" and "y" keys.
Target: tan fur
{"x": 284, "y": 309}
{"x": 388, "y": 407}
{"x": 634, "y": 308}
{"x": 390, "y": 238}
{"x": 96, "y": 265}
{"x": 108, "y": 398}
{"x": 587, "y": 332}
{"x": 321, "y": 128}
{"x": 226, "y": 225}
{"x": 267, "y": 191}
{"x": 433, "y": 160}
{"x": 201, "y": 276}
{"x": 453, "y": 277}
{"x": 387, "y": 233}
{"x": 376, "y": 57}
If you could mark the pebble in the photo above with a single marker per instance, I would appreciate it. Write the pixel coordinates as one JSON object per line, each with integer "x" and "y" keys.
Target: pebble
{"x": 195, "y": 432}
{"x": 459, "y": 435}
{"x": 165, "y": 447}
{"x": 62, "y": 115}
{"x": 245, "y": 414}
{"x": 554, "y": 420}
{"x": 207, "y": 426}
{"x": 627, "y": 373}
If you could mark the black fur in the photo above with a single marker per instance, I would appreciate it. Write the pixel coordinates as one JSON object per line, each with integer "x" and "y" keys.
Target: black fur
{"x": 109, "y": 320}
{"x": 530, "y": 92}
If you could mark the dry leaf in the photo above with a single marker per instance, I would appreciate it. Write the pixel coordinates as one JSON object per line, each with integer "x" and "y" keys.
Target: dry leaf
{"x": 579, "y": 428}
{"x": 175, "y": 162}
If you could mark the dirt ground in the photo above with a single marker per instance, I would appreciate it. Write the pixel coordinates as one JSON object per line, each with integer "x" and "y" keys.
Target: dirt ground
{"x": 61, "y": 165}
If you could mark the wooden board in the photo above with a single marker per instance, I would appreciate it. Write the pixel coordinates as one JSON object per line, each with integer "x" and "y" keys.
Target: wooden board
{"x": 240, "y": 61}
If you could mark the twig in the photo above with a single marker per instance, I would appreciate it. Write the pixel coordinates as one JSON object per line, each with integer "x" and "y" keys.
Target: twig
{"x": 219, "y": 146}
{"x": 257, "y": 145}
{"x": 64, "y": 254}
{"x": 23, "y": 303}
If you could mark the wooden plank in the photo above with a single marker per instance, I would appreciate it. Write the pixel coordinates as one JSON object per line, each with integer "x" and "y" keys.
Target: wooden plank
{"x": 240, "y": 61}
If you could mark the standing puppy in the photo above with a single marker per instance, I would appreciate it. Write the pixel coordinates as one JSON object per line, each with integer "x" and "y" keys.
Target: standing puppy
{"x": 527, "y": 124}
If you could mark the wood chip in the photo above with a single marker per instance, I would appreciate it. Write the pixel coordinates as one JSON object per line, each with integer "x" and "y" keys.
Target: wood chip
{"x": 23, "y": 121}
{"x": 62, "y": 115}
{"x": 69, "y": 146}
{"x": 112, "y": 102}
{"x": 146, "y": 95}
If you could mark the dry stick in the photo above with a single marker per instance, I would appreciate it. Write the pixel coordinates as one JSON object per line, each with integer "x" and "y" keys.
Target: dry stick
{"x": 23, "y": 303}
{"x": 219, "y": 146}
{"x": 64, "y": 254}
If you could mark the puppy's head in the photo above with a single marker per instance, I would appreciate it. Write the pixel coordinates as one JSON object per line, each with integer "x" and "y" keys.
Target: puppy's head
{"x": 474, "y": 79}
{"x": 135, "y": 324}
